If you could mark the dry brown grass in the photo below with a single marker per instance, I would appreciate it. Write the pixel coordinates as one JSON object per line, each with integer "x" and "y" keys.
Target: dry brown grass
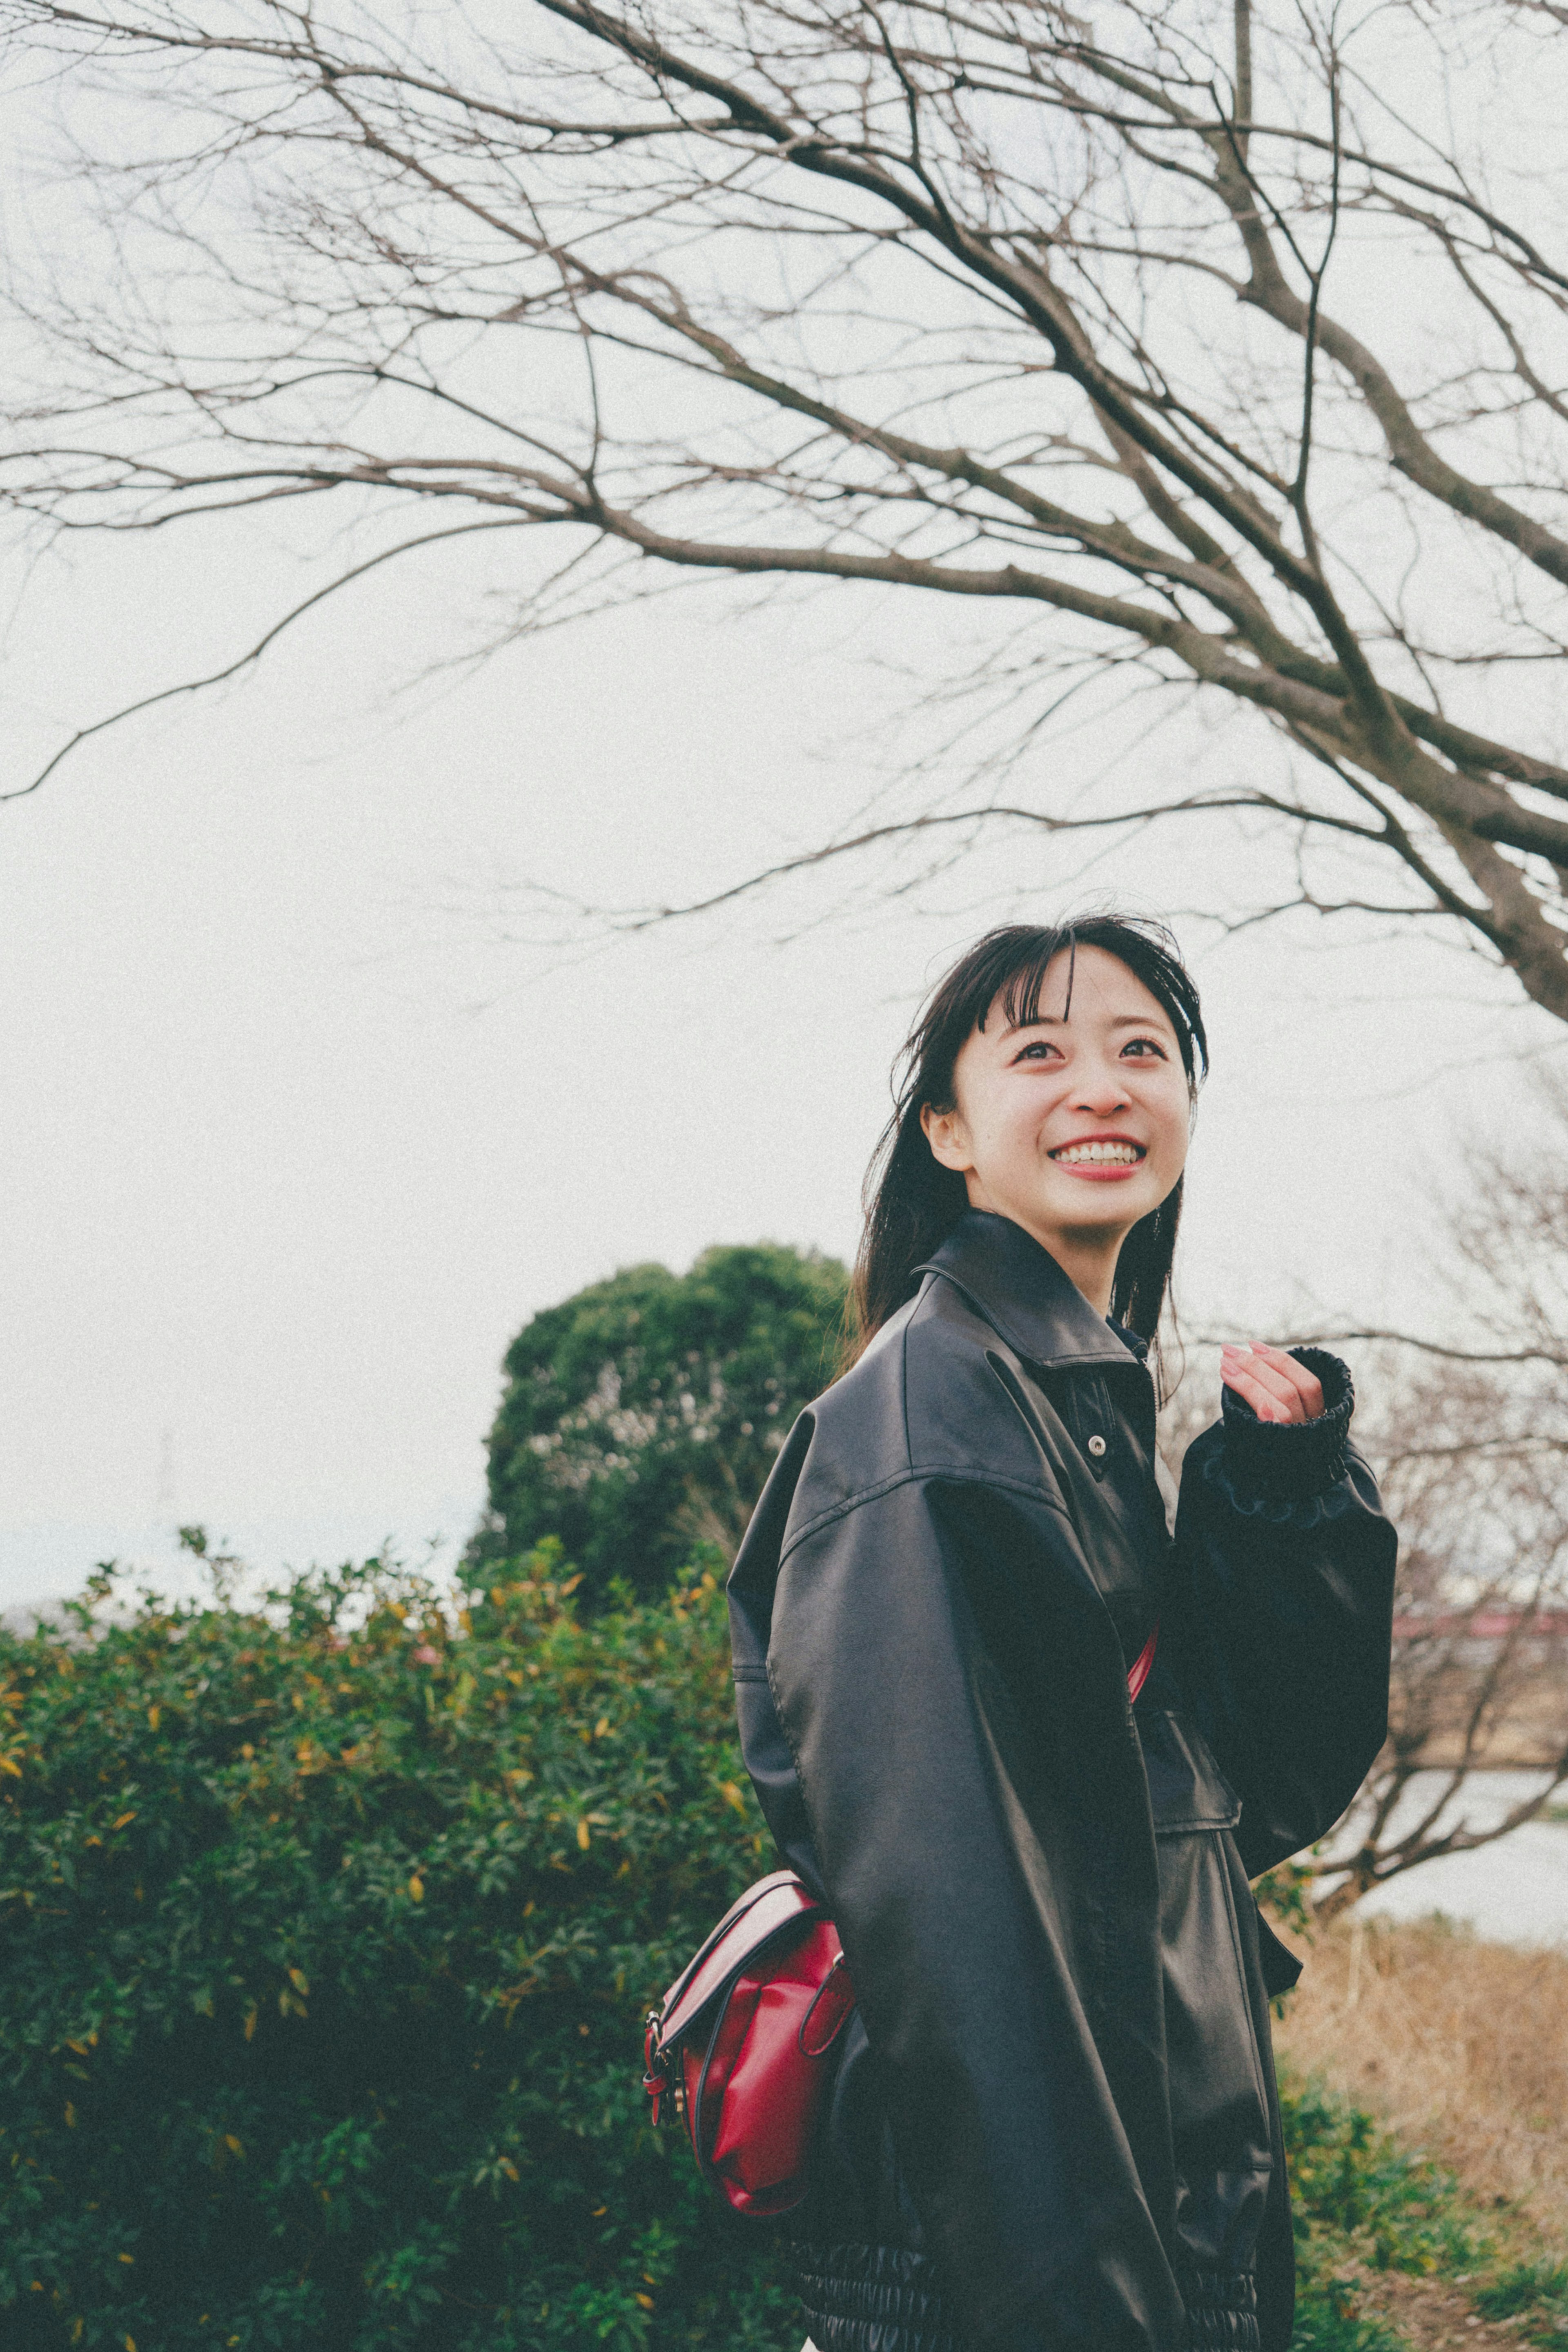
{"x": 1461, "y": 2046}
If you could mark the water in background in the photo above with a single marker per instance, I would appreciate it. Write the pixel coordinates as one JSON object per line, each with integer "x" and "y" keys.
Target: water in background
{"x": 1515, "y": 1891}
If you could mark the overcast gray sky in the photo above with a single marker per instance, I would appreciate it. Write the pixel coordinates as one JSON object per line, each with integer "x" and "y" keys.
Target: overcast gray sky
{"x": 294, "y": 1142}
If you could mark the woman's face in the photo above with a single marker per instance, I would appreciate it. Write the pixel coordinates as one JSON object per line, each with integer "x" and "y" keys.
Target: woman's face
{"x": 1073, "y": 1125}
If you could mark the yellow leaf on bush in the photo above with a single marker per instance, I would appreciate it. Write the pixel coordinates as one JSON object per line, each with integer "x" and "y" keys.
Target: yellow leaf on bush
{"x": 152, "y": 1714}
{"x": 646, "y": 2301}
{"x": 582, "y": 1835}
{"x": 235, "y": 2146}
{"x": 298, "y": 1980}
{"x": 417, "y": 1888}
{"x": 71, "y": 2116}
{"x": 119, "y": 1824}
{"x": 731, "y": 1795}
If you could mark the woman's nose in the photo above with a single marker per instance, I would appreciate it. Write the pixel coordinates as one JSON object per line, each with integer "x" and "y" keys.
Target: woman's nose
{"x": 1102, "y": 1092}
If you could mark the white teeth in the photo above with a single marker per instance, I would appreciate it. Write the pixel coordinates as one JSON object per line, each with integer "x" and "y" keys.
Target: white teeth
{"x": 1122, "y": 1155}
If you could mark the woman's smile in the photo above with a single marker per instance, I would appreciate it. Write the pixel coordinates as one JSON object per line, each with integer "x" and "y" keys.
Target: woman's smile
{"x": 1099, "y": 1159}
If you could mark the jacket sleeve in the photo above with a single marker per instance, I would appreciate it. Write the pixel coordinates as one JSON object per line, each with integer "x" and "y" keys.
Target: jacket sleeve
{"x": 1279, "y": 1620}
{"x": 953, "y": 1696}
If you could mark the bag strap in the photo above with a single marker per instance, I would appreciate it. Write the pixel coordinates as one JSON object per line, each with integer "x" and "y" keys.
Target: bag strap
{"x": 1138, "y": 1671}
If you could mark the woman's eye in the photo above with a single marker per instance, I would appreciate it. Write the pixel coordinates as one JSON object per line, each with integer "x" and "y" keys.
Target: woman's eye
{"x": 1144, "y": 1047}
{"x": 1041, "y": 1050}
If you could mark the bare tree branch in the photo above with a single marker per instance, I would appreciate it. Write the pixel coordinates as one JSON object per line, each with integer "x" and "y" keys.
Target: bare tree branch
{"x": 1471, "y": 1441}
{"x": 974, "y": 299}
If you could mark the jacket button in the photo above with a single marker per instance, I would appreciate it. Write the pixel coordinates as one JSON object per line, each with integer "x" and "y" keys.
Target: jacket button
{"x": 1096, "y": 1447}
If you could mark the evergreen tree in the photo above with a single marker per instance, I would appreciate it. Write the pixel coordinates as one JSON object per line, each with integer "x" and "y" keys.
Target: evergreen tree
{"x": 643, "y": 1414}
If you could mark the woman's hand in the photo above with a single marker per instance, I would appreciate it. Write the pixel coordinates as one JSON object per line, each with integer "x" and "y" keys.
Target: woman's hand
{"x": 1275, "y": 1386}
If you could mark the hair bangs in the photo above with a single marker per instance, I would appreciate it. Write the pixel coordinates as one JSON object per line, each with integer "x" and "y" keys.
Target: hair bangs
{"x": 1021, "y": 991}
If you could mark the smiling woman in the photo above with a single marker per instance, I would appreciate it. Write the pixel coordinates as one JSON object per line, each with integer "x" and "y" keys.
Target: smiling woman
{"x": 1032, "y": 1023}
{"x": 1068, "y": 1109}
{"x": 1053, "y": 2124}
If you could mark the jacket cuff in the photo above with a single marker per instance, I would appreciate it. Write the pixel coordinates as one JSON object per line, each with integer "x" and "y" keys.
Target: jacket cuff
{"x": 1289, "y": 1461}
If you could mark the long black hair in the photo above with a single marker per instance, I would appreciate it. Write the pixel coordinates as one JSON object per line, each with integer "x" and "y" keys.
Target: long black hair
{"x": 913, "y": 1202}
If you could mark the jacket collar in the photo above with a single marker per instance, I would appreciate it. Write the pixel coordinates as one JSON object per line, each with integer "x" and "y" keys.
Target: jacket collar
{"x": 1025, "y": 1296}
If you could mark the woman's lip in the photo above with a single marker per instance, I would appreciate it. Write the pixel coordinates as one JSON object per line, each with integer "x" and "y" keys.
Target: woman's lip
{"x": 1102, "y": 1171}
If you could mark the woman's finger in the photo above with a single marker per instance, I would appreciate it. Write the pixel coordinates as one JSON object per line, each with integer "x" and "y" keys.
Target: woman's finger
{"x": 1238, "y": 1372}
{"x": 1273, "y": 1384}
{"x": 1307, "y": 1385}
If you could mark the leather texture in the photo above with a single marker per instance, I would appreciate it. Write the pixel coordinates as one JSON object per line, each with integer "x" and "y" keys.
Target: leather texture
{"x": 887, "y": 2299}
{"x": 753, "y": 2088}
{"x": 866, "y": 2298}
{"x": 1052, "y": 2120}
{"x": 770, "y": 1906}
{"x": 740, "y": 2043}
{"x": 747, "y": 2023}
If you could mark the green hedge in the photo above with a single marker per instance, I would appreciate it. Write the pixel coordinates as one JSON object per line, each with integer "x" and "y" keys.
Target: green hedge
{"x": 326, "y": 1930}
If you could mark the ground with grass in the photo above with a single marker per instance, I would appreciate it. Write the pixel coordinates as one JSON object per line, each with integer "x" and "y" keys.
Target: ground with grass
{"x": 1460, "y": 2046}
{"x": 1423, "y": 2074}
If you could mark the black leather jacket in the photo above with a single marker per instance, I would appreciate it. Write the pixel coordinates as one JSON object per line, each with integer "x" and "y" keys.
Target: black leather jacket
{"x": 1055, "y": 2123}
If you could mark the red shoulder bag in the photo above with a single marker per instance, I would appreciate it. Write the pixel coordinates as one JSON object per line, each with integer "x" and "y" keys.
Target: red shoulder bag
{"x": 739, "y": 2044}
